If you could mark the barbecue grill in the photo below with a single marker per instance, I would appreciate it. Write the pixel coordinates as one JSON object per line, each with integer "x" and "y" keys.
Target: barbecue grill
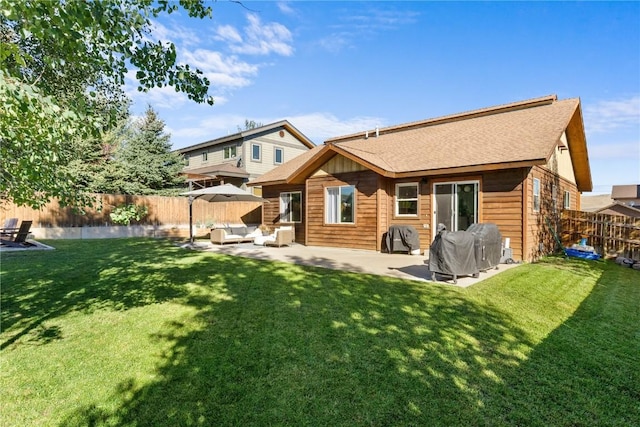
{"x": 488, "y": 245}
{"x": 453, "y": 254}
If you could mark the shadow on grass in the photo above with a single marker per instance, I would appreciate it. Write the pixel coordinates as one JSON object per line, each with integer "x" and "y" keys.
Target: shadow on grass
{"x": 290, "y": 345}
{"x": 88, "y": 276}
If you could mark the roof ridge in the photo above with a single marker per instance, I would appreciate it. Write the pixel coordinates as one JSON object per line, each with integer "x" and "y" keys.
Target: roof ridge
{"x": 486, "y": 111}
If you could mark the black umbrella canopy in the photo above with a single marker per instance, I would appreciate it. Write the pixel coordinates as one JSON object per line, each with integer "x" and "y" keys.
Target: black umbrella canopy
{"x": 224, "y": 193}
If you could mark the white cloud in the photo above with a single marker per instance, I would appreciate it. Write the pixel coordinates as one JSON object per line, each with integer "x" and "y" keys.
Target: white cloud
{"x": 286, "y": 8}
{"x": 164, "y": 97}
{"x": 335, "y": 42}
{"x": 356, "y": 24}
{"x": 318, "y": 127}
{"x": 321, "y": 126}
{"x": 223, "y": 71}
{"x": 228, "y": 33}
{"x": 259, "y": 38}
{"x": 382, "y": 19}
{"x": 176, "y": 34}
{"x": 608, "y": 115}
{"x": 215, "y": 126}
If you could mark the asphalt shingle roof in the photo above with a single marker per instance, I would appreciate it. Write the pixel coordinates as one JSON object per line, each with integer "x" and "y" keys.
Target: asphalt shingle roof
{"x": 521, "y": 132}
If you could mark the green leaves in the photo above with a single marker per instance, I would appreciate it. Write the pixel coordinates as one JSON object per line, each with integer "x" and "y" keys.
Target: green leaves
{"x": 63, "y": 68}
{"x": 33, "y": 129}
{"x": 124, "y": 214}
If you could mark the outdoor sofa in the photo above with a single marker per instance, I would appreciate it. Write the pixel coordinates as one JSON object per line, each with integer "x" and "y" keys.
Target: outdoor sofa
{"x": 234, "y": 233}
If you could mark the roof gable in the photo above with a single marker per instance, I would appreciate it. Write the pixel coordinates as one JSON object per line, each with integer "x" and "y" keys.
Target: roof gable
{"x": 520, "y": 134}
{"x": 250, "y": 134}
{"x": 617, "y": 208}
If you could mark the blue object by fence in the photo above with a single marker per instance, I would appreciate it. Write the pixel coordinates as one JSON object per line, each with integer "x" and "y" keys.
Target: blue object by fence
{"x": 581, "y": 254}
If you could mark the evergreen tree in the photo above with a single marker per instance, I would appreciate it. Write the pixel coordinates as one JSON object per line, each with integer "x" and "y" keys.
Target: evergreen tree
{"x": 146, "y": 160}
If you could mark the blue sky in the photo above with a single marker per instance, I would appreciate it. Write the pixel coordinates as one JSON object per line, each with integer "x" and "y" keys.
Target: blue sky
{"x": 334, "y": 68}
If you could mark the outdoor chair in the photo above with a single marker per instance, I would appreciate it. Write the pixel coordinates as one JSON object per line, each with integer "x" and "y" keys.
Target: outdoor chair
{"x": 21, "y": 236}
{"x": 281, "y": 238}
{"x": 10, "y": 228}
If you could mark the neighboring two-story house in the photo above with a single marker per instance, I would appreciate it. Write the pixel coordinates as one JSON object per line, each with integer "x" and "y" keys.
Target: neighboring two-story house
{"x": 243, "y": 156}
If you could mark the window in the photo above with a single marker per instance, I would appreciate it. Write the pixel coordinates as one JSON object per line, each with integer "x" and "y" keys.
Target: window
{"x": 278, "y": 155}
{"x": 256, "y": 152}
{"x": 340, "y": 205}
{"x": 567, "y": 200}
{"x": 536, "y": 195}
{"x": 205, "y": 156}
{"x": 407, "y": 199}
{"x": 291, "y": 207}
{"x": 186, "y": 160}
{"x": 230, "y": 152}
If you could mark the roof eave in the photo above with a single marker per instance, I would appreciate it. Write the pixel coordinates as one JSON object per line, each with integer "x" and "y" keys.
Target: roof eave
{"x": 469, "y": 169}
{"x": 264, "y": 183}
{"x": 242, "y": 135}
{"x": 578, "y": 151}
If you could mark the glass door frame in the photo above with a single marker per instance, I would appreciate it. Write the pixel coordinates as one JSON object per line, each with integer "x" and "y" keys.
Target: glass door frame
{"x": 457, "y": 183}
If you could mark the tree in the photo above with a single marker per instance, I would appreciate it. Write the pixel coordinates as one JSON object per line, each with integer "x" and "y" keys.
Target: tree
{"x": 60, "y": 60}
{"x": 33, "y": 135}
{"x": 146, "y": 160}
{"x": 250, "y": 124}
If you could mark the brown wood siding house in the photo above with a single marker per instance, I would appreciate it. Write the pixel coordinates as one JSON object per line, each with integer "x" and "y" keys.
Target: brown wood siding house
{"x": 516, "y": 165}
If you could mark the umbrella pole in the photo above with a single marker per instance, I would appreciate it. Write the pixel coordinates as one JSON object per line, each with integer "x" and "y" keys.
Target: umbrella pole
{"x": 190, "y": 213}
{"x": 191, "y": 219}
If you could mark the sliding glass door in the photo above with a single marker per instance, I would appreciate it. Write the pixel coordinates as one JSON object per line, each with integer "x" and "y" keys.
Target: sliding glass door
{"x": 456, "y": 204}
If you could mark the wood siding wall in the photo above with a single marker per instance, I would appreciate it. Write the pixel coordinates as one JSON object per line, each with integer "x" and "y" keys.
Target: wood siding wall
{"x": 539, "y": 238}
{"x": 502, "y": 202}
{"x": 505, "y": 199}
{"x": 421, "y": 222}
{"x": 271, "y": 210}
{"x": 361, "y": 235}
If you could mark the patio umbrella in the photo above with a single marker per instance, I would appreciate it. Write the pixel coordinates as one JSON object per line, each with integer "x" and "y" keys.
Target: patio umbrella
{"x": 219, "y": 193}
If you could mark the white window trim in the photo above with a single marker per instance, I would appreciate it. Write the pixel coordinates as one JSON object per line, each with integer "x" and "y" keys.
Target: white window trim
{"x": 398, "y": 200}
{"x": 259, "y": 159}
{"x": 338, "y": 216}
{"x": 567, "y": 200}
{"x": 275, "y": 150}
{"x": 205, "y": 156}
{"x": 281, "y": 207}
{"x": 229, "y": 147}
{"x": 536, "y": 195}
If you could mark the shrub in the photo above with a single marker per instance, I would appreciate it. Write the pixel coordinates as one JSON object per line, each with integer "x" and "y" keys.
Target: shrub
{"x": 124, "y": 214}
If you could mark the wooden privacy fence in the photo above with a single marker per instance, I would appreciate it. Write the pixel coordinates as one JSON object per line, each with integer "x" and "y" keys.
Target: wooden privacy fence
{"x": 162, "y": 211}
{"x": 610, "y": 234}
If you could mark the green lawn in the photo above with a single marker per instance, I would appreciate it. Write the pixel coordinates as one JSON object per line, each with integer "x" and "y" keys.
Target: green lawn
{"x": 139, "y": 332}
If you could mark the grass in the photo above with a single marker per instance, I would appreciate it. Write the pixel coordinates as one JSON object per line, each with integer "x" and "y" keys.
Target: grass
{"x": 138, "y": 332}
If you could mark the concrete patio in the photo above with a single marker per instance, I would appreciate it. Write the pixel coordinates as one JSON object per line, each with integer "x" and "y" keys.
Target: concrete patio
{"x": 399, "y": 265}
